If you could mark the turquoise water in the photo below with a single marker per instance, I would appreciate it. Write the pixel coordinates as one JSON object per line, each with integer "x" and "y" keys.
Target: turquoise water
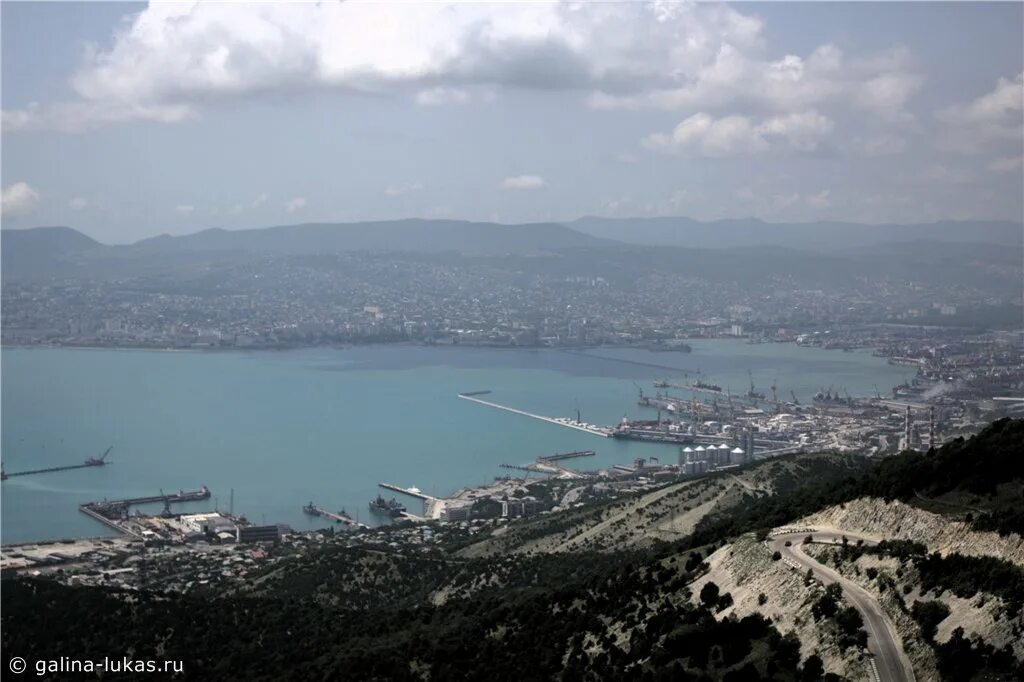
{"x": 284, "y": 428}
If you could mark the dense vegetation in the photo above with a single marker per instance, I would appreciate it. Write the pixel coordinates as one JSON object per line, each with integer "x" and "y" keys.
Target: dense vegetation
{"x": 557, "y": 630}
{"x": 382, "y": 613}
{"x": 846, "y": 619}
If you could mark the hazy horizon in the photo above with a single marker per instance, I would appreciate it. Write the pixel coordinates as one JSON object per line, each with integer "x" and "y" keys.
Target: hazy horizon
{"x": 565, "y": 223}
{"x": 145, "y": 120}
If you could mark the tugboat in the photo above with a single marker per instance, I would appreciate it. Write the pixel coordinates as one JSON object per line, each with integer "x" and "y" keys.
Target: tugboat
{"x": 391, "y": 507}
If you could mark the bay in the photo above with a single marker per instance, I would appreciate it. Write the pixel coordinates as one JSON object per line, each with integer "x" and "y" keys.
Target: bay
{"x": 281, "y": 429}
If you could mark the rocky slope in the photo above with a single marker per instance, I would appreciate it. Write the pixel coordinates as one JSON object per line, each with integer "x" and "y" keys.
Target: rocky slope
{"x": 897, "y": 520}
{"x": 745, "y": 570}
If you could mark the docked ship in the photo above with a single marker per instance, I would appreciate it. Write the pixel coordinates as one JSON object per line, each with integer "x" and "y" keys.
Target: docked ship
{"x": 706, "y": 386}
{"x": 390, "y": 507}
{"x": 830, "y": 399}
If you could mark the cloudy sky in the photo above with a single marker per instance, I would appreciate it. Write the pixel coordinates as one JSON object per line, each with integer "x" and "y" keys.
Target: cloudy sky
{"x": 127, "y": 120}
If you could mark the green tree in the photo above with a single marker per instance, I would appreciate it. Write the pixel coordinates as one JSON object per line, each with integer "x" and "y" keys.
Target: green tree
{"x": 709, "y": 594}
{"x": 813, "y": 669}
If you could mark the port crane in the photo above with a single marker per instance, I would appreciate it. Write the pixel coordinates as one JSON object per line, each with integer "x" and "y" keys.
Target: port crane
{"x": 753, "y": 393}
{"x": 101, "y": 460}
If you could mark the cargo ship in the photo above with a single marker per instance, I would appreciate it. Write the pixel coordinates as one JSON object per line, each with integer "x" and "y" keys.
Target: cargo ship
{"x": 390, "y": 507}
{"x": 706, "y": 386}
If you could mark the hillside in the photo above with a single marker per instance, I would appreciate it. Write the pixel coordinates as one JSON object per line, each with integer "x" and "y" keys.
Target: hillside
{"x": 423, "y": 236}
{"x": 669, "y": 584}
{"x": 517, "y": 254}
{"x": 26, "y": 252}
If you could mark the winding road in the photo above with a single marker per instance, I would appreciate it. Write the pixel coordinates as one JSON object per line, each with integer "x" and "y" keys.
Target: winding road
{"x": 890, "y": 661}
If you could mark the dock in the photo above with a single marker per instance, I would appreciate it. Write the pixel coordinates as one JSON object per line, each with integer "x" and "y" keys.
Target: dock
{"x": 532, "y": 468}
{"x": 338, "y": 517}
{"x": 411, "y": 492}
{"x": 113, "y": 512}
{"x": 602, "y": 431}
{"x": 433, "y": 507}
{"x": 91, "y": 462}
{"x": 180, "y": 496}
{"x": 567, "y": 455}
{"x": 120, "y": 528}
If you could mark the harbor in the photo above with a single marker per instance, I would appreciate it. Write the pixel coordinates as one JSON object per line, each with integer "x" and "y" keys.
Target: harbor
{"x": 116, "y": 514}
{"x": 171, "y": 527}
{"x": 335, "y": 450}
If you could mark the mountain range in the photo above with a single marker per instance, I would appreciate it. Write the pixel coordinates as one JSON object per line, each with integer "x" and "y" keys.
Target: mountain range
{"x": 63, "y": 251}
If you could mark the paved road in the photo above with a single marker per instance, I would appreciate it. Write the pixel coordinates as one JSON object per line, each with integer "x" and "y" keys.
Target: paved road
{"x": 883, "y": 642}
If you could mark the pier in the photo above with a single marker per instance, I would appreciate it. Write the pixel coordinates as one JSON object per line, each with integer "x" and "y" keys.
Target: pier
{"x": 117, "y": 509}
{"x": 433, "y": 507}
{"x": 114, "y": 513}
{"x": 180, "y": 496}
{"x": 91, "y": 462}
{"x": 532, "y": 468}
{"x": 560, "y": 421}
{"x": 568, "y": 455}
{"x": 338, "y": 517}
{"x": 411, "y": 492}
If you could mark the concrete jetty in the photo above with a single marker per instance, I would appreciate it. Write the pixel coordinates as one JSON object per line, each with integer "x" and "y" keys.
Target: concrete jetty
{"x": 602, "y": 431}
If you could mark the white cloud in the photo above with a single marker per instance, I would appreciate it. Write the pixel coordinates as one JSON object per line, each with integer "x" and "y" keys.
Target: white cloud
{"x": 796, "y": 205}
{"x": 78, "y": 204}
{"x": 732, "y": 78}
{"x": 1006, "y": 164}
{"x": 522, "y": 182}
{"x": 295, "y": 204}
{"x": 18, "y": 199}
{"x": 820, "y": 200}
{"x": 729, "y": 136}
{"x": 992, "y": 119}
{"x": 260, "y": 200}
{"x": 438, "y": 96}
{"x": 169, "y": 60}
{"x": 879, "y": 145}
{"x": 938, "y": 174}
{"x": 1003, "y": 103}
{"x": 73, "y": 117}
{"x": 399, "y": 190}
{"x": 887, "y": 93}
{"x": 185, "y": 209}
{"x": 744, "y": 194}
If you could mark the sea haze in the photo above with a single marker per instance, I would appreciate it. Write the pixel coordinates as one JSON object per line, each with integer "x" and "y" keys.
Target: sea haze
{"x": 285, "y": 428}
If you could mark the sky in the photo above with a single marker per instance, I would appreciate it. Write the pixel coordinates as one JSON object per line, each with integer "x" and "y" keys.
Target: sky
{"x": 129, "y": 120}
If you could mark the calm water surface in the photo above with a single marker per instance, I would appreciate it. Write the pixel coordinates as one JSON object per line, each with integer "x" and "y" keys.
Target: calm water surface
{"x": 284, "y": 428}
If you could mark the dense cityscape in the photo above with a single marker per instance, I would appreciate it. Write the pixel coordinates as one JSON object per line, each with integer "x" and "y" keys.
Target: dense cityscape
{"x": 502, "y": 301}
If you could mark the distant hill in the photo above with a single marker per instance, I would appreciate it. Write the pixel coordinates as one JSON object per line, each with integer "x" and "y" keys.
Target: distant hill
{"x": 715, "y": 251}
{"x": 821, "y": 235}
{"x": 27, "y": 251}
{"x": 45, "y": 252}
{"x": 427, "y": 236}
